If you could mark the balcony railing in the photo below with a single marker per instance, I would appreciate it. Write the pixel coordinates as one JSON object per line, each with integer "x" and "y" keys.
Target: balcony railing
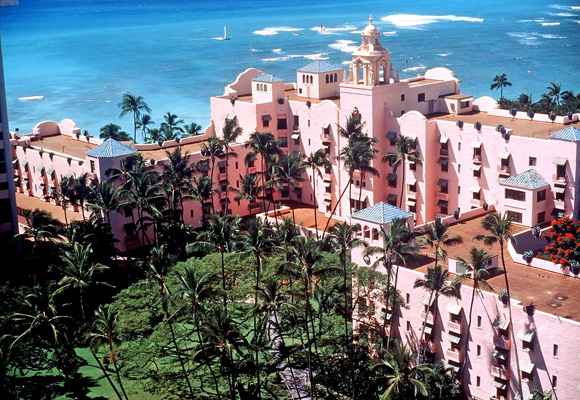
{"x": 443, "y": 196}
{"x": 454, "y": 355}
{"x": 501, "y": 342}
{"x": 327, "y": 177}
{"x": 430, "y": 317}
{"x": 444, "y": 152}
{"x": 500, "y": 371}
{"x": 475, "y": 202}
{"x": 560, "y": 204}
{"x": 504, "y": 169}
{"x": 477, "y": 158}
{"x": 454, "y": 327}
{"x": 327, "y": 196}
{"x": 412, "y": 195}
{"x": 324, "y": 137}
{"x": 223, "y": 176}
{"x": 559, "y": 180}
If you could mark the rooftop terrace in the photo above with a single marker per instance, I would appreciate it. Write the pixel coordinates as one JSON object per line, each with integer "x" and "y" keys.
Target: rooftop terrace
{"x": 519, "y": 127}
{"x": 550, "y": 292}
{"x": 24, "y": 202}
{"x": 65, "y": 144}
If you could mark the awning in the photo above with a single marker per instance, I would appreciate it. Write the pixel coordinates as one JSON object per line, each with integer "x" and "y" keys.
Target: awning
{"x": 527, "y": 367}
{"x": 392, "y": 197}
{"x": 443, "y": 139}
{"x": 15, "y": 161}
{"x": 558, "y": 189}
{"x": 500, "y": 385}
{"x": 223, "y": 163}
{"x": 295, "y": 190}
{"x": 23, "y": 163}
{"x": 266, "y": 118}
{"x": 475, "y": 188}
{"x": 442, "y": 182}
{"x": 411, "y": 202}
{"x": 501, "y": 323}
{"x": 25, "y": 182}
{"x": 204, "y": 167}
{"x": 41, "y": 186}
{"x": 453, "y": 338}
{"x": 50, "y": 171}
{"x": 411, "y": 181}
{"x": 476, "y": 167}
{"x": 442, "y": 203}
{"x": 295, "y": 136}
{"x": 428, "y": 329}
{"x": 326, "y": 145}
{"x": 443, "y": 161}
{"x": 504, "y": 155}
{"x": 454, "y": 308}
{"x": 500, "y": 353}
{"x": 16, "y": 179}
{"x": 326, "y": 183}
{"x": 556, "y": 212}
{"x": 476, "y": 144}
{"x": 526, "y": 335}
{"x": 391, "y": 176}
{"x": 362, "y": 198}
{"x": 39, "y": 168}
{"x": 327, "y": 202}
{"x": 391, "y": 135}
{"x": 559, "y": 161}
{"x": 425, "y": 299}
{"x": 326, "y": 125}
{"x": 229, "y": 116}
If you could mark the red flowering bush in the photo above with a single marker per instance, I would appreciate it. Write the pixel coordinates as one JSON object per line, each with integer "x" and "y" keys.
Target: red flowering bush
{"x": 563, "y": 239}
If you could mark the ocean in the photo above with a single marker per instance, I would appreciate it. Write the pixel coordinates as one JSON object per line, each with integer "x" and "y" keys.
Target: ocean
{"x": 75, "y": 59}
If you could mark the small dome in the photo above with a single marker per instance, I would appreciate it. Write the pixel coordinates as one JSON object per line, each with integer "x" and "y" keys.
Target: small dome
{"x": 370, "y": 30}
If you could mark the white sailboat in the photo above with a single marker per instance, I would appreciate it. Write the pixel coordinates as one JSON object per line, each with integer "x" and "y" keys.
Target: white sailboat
{"x": 225, "y": 34}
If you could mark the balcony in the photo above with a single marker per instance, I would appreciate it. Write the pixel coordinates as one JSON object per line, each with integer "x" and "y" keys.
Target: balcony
{"x": 325, "y": 137}
{"x": 475, "y": 203}
{"x": 559, "y": 204}
{"x": 504, "y": 169}
{"x": 444, "y": 152}
{"x": 454, "y": 327}
{"x": 223, "y": 176}
{"x": 252, "y": 170}
{"x": 430, "y": 317}
{"x": 443, "y": 196}
{"x": 454, "y": 355}
{"x": 223, "y": 195}
{"x": 328, "y": 196}
{"x": 412, "y": 195}
{"x": 500, "y": 371}
{"x": 559, "y": 180}
{"x": 502, "y": 342}
{"x": 327, "y": 177}
{"x": 477, "y": 158}
{"x": 254, "y": 206}
{"x": 430, "y": 347}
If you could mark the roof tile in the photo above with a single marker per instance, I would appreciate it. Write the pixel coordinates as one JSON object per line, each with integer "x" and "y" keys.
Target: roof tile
{"x": 111, "y": 148}
{"x": 381, "y": 213}
{"x": 529, "y": 179}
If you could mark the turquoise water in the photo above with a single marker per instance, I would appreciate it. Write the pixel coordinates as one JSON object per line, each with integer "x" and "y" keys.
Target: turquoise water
{"x": 82, "y": 55}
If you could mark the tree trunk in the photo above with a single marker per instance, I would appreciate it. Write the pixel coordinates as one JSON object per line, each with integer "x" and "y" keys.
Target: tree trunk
{"x": 394, "y": 302}
{"x": 207, "y": 363}
{"x": 315, "y": 203}
{"x": 389, "y": 268}
{"x": 468, "y": 331}
{"x": 421, "y": 346}
{"x": 112, "y": 350}
{"x": 225, "y": 296}
{"x": 309, "y": 353}
{"x": 335, "y": 206}
{"x": 257, "y": 353}
{"x": 82, "y": 307}
{"x": 402, "y": 185}
{"x": 107, "y": 375}
{"x": 170, "y": 323}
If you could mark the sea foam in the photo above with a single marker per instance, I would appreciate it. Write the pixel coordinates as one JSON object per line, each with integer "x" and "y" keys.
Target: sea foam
{"x": 346, "y": 46}
{"x": 274, "y": 30}
{"x": 416, "y": 21}
{"x": 411, "y": 69}
{"x": 333, "y": 31}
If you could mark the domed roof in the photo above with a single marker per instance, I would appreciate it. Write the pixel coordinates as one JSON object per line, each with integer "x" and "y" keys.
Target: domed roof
{"x": 371, "y": 30}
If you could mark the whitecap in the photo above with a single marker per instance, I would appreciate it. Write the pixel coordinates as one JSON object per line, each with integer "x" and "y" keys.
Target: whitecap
{"x": 415, "y": 20}
{"x": 420, "y": 68}
{"x": 275, "y": 59}
{"x": 559, "y": 7}
{"x": 345, "y": 63}
{"x": 218, "y": 38}
{"x": 358, "y": 32}
{"x": 575, "y": 7}
{"x": 315, "y": 56}
{"x": 562, "y": 14}
{"x": 276, "y": 50}
{"x": 444, "y": 54}
{"x": 274, "y": 30}
{"x": 107, "y": 101}
{"x": 390, "y": 33}
{"x": 525, "y": 20}
{"x": 548, "y": 36}
{"x": 29, "y": 98}
{"x": 346, "y": 46}
{"x": 332, "y": 31}
{"x": 550, "y": 23}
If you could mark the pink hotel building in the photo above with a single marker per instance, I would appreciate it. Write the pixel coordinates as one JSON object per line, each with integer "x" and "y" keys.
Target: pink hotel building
{"x": 467, "y": 163}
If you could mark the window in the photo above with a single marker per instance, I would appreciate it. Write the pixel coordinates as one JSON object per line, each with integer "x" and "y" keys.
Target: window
{"x": 296, "y": 121}
{"x": 554, "y": 381}
{"x": 408, "y": 298}
{"x": 532, "y": 161}
{"x": 392, "y": 180}
{"x": 478, "y": 351}
{"x": 413, "y": 166}
{"x": 327, "y": 79}
{"x": 282, "y": 123}
{"x": 560, "y": 195}
{"x": 477, "y": 195}
{"x": 309, "y": 123}
{"x": 413, "y": 208}
{"x": 458, "y": 189}
{"x": 459, "y": 146}
{"x": 266, "y": 121}
{"x": 517, "y": 217}
{"x": 458, "y": 168}
{"x": 251, "y": 163}
{"x": 421, "y": 97}
{"x": 555, "y": 351}
{"x": 402, "y": 97}
{"x": 517, "y": 195}
{"x": 464, "y": 104}
{"x": 408, "y": 326}
{"x": 478, "y": 381}
{"x": 283, "y": 141}
{"x": 328, "y": 189}
{"x": 413, "y": 188}
{"x": 561, "y": 171}
{"x": 92, "y": 166}
{"x": 541, "y": 217}
{"x": 479, "y": 321}
{"x": 541, "y": 195}
{"x": 402, "y": 112}
{"x": 236, "y": 165}
{"x": 444, "y": 210}
{"x": 477, "y": 172}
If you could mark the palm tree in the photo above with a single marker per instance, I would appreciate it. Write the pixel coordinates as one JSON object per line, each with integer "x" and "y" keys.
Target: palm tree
{"x": 499, "y": 82}
{"x": 230, "y": 131}
{"x": 402, "y": 377}
{"x": 438, "y": 283}
{"x": 249, "y": 190}
{"x": 65, "y": 194}
{"x": 406, "y": 151}
{"x": 144, "y": 121}
{"x": 437, "y": 235}
{"x": 201, "y": 188}
{"x": 499, "y": 230}
{"x": 398, "y": 245}
{"x": 103, "y": 332}
{"x": 221, "y": 234}
{"x": 214, "y": 149}
{"x": 554, "y": 91}
{"x": 195, "y": 290}
{"x": 264, "y": 144}
{"x": 177, "y": 175}
{"x": 40, "y": 227}
{"x": 104, "y": 199}
{"x": 170, "y": 127}
{"x": 289, "y": 170}
{"x": 477, "y": 264}
{"x": 112, "y": 131}
{"x": 135, "y": 105}
{"x": 192, "y": 129}
{"x": 81, "y": 191}
{"x": 159, "y": 267}
{"x": 315, "y": 161}
{"x": 79, "y": 270}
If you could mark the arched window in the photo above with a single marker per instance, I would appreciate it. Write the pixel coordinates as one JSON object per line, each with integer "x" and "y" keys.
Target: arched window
{"x": 257, "y": 86}
{"x": 311, "y": 79}
{"x": 303, "y": 78}
{"x": 367, "y": 232}
{"x": 265, "y": 88}
{"x": 335, "y": 77}
{"x": 375, "y": 234}
{"x": 327, "y": 80}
